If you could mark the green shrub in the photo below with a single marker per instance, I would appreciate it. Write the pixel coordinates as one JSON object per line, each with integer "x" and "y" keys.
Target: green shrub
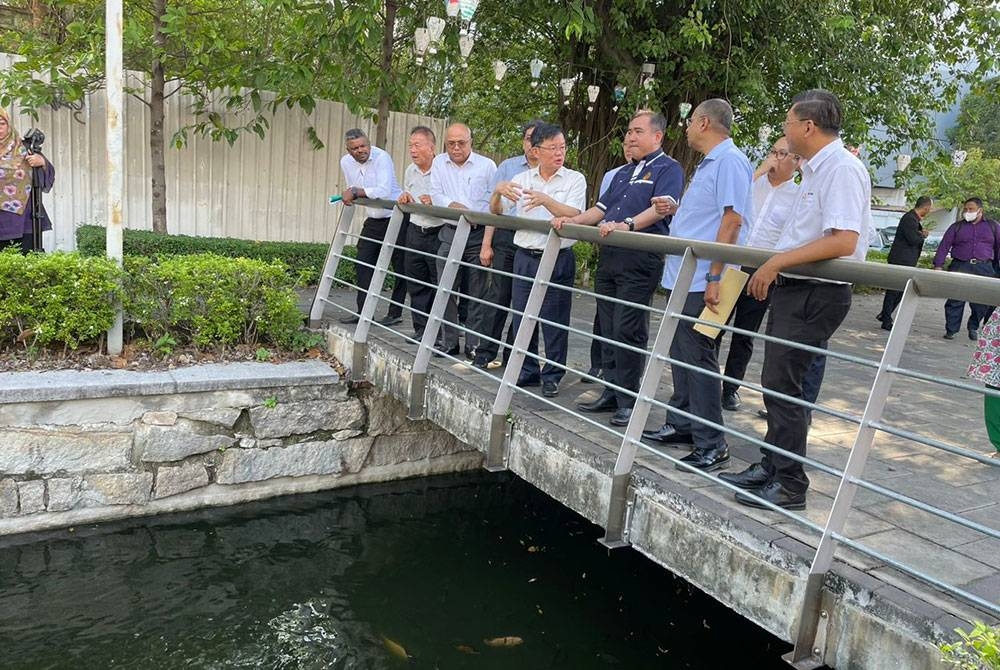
{"x": 58, "y": 298}
{"x": 208, "y": 300}
{"x": 978, "y": 650}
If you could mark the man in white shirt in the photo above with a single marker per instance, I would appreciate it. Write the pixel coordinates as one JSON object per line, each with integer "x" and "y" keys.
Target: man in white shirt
{"x": 369, "y": 173}
{"x": 460, "y": 179}
{"x": 774, "y": 192}
{"x": 547, "y": 190}
{"x": 831, "y": 218}
{"x": 423, "y": 231}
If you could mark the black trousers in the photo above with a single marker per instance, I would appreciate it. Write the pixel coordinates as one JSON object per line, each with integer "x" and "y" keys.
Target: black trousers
{"x": 808, "y": 313}
{"x": 596, "y": 346}
{"x": 696, "y": 393}
{"x": 401, "y": 286}
{"x": 633, "y": 276}
{"x": 889, "y": 304}
{"x": 748, "y": 315}
{"x": 422, "y": 269}
{"x": 500, "y": 295}
{"x": 556, "y": 307}
{"x": 954, "y": 309}
{"x": 368, "y": 251}
{"x": 478, "y": 287}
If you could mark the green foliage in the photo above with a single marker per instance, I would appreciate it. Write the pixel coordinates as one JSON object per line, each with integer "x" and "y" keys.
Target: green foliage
{"x": 262, "y": 354}
{"x": 165, "y": 345}
{"x": 977, "y": 650}
{"x": 211, "y": 300}
{"x": 48, "y": 299}
{"x": 949, "y": 185}
{"x": 304, "y": 340}
{"x": 979, "y": 119}
{"x": 270, "y": 402}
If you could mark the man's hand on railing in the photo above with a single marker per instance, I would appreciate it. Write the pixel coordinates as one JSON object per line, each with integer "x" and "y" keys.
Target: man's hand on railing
{"x": 559, "y": 221}
{"x": 404, "y": 198}
{"x": 609, "y": 227}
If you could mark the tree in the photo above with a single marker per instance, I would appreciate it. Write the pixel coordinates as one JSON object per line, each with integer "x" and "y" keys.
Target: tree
{"x": 979, "y": 119}
{"x": 978, "y": 176}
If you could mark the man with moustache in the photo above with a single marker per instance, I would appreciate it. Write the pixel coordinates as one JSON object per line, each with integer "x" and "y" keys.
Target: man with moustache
{"x": 460, "y": 179}
{"x": 626, "y": 274}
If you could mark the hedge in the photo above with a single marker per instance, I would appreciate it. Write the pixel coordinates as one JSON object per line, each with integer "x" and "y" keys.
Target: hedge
{"x": 205, "y": 300}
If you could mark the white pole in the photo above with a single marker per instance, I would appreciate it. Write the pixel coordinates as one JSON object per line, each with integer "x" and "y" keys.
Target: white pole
{"x": 115, "y": 140}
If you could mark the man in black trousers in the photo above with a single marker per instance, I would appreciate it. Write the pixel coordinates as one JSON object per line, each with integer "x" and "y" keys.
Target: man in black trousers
{"x": 905, "y": 250}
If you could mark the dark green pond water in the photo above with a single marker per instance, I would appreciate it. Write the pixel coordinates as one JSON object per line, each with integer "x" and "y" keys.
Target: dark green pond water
{"x": 436, "y": 566}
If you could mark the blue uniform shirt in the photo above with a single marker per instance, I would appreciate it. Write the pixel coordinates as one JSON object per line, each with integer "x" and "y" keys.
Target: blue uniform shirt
{"x": 634, "y": 185}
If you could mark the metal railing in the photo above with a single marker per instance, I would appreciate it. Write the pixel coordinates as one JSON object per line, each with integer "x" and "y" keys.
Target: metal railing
{"x": 914, "y": 283}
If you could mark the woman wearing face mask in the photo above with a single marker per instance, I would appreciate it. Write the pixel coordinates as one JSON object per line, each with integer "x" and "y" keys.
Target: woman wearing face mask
{"x": 974, "y": 246}
{"x": 16, "y": 166}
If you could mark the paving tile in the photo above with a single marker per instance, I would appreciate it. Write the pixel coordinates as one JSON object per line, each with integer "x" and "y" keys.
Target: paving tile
{"x": 928, "y": 526}
{"x": 986, "y": 550}
{"x": 943, "y": 564}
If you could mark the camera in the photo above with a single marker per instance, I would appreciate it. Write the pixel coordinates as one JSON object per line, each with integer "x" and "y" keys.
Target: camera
{"x": 33, "y": 140}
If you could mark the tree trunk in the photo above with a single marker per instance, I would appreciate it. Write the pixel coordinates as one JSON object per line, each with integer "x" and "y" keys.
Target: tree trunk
{"x": 38, "y": 11}
{"x": 156, "y": 117}
{"x": 382, "y": 125}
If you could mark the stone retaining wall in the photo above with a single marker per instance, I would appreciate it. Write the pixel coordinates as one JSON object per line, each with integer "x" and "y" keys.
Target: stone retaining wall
{"x": 73, "y": 450}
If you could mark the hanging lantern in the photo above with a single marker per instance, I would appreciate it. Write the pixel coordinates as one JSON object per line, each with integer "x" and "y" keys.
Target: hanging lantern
{"x": 536, "y": 67}
{"x": 618, "y": 96}
{"x": 567, "y": 88}
{"x": 648, "y": 69}
{"x": 451, "y": 8}
{"x": 903, "y": 162}
{"x": 465, "y": 43}
{"x": 468, "y": 8}
{"x": 499, "y": 70}
{"x": 421, "y": 40}
{"x": 592, "y": 92}
{"x": 958, "y": 157}
{"x": 435, "y": 28}
{"x": 764, "y": 133}
{"x": 683, "y": 110}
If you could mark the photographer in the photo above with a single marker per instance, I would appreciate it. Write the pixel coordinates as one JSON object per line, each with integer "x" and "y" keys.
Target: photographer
{"x": 17, "y": 164}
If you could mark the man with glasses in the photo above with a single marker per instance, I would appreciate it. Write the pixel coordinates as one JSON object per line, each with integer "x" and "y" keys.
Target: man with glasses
{"x": 497, "y": 252}
{"x": 369, "y": 173}
{"x": 460, "y": 179}
{"x": 774, "y": 192}
{"x": 626, "y": 274}
{"x": 715, "y": 206}
{"x": 545, "y": 191}
{"x": 831, "y": 218}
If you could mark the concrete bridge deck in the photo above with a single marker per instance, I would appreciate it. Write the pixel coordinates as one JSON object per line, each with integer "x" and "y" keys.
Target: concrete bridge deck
{"x": 755, "y": 561}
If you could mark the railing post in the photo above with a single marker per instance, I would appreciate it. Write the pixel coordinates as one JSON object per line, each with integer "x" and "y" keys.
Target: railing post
{"x": 496, "y": 453}
{"x": 810, "y": 645}
{"x": 446, "y": 282}
{"x": 616, "y": 529}
{"x": 374, "y": 289}
{"x": 333, "y": 257}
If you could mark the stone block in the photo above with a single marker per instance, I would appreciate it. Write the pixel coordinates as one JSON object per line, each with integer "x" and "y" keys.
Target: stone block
{"x": 386, "y": 415}
{"x": 156, "y": 443}
{"x": 128, "y": 488}
{"x": 32, "y": 495}
{"x": 406, "y": 447}
{"x": 8, "y": 497}
{"x": 64, "y": 493}
{"x": 39, "y": 451}
{"x": 304, "y": 418}
{"x": 224, "y": 417}
{"x": 159, "y": 418}
{"x": 297, "y": 460}
{"x": 171, "y": 480}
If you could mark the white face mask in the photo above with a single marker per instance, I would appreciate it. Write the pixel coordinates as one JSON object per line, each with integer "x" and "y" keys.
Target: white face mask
{"x": 971, "y": 216}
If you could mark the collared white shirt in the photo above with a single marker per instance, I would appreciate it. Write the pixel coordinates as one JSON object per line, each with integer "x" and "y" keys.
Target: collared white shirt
{"x": 468, "y": 183}
{"x": 377, "y": 176}
{"x": 566, "y": 186}
{"x": 835, "y": 194}
{"x": 416, "y": 182}
{"x": 772, "y": 205}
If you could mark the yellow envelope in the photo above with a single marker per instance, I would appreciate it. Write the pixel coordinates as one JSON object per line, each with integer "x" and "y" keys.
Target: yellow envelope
{"x": 732, "y": 285}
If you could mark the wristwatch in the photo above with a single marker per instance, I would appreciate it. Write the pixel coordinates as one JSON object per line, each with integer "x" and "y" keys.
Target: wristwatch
{"x": 630, "y": 223}
{"x": 709, "y": 277}
{"x": 354, "y": 191}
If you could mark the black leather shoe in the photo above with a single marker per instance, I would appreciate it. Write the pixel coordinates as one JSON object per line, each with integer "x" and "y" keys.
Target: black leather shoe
{"x": 481, "y": 362}
{"x": 470, "y": 354}
{"x": 973, "y": 334}
{"x": 752, "y": 478}
{"x": 776, "y": 494}
{"x": 731, "y": 401}
{"x": 605, "y": 403}
{"x": 887, "y": 325}
{"x": 762, "y": 413}
{"x": 550, "y": 389}
{"x": 707, "y": 460}
{"x": 593, "y": 372}
{"x": 454, "y": 351}
{"x": 349, "y": 320}
{"x": 621, "y": 417}
{"x": 528, "y": 381}
{"x": 390, "y": 320}
{"x": 667, "y": 434}
{"x": 949, "y": 336}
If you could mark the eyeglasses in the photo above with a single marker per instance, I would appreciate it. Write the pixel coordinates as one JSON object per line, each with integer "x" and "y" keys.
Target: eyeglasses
{"x": 457, "y": 143}
{"x": 689, "y": 121}
{"x": 781, "y": 154}
{"x": 559, "y": 149}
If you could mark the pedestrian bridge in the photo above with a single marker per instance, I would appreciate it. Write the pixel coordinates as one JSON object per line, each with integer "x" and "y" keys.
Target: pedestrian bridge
{"x": 899, "y": 544}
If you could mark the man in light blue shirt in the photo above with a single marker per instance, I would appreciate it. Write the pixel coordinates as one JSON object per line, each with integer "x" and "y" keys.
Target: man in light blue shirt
{"x": 714, "y": 208}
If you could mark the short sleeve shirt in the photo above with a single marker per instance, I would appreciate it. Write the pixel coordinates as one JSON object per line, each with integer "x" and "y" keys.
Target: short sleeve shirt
{"x": 634, "y": 186}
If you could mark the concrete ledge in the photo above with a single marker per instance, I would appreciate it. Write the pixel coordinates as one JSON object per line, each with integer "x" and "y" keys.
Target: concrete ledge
{"x": 19, "y": 387}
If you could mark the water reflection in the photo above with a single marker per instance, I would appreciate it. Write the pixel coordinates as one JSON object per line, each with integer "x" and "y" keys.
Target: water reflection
{"x": 420, "y": 574}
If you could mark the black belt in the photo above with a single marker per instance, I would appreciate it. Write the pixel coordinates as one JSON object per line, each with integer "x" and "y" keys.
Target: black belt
{"x": 781, "y": 280}
{"x": 427, "y": 231}
{"x": 976, "y": 261}
{"x": 537, "y": 253}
